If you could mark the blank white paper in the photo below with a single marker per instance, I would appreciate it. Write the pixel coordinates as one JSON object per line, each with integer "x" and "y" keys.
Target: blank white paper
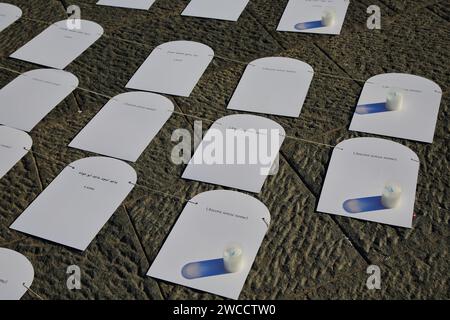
{"x": 15, "y": 272}
{"x": 211, "y": 221}
{"x": 305, "y": 16}
{"x": 418, "y": 116}
{"x": 274, "y": 85}
{"x": 125, "y": 126}
{"x": 359, "y": 169}
{"x": 13, "y": 146}
{"x": 216, "y": 9}
{"x": 26, "y": 100}
{"x": 78, "y": 202}
{"x": 173, "y": 68}
{"x": 242, "y": 172}
{"x": 8, "y": 15}
{"x": 57, "y": 46}
{"x": 132, "y": 4}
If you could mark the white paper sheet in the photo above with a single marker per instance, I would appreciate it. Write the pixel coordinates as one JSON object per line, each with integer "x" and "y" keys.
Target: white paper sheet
{"x": 8, "y": 15}
{"x": 207, "y": 225}
{"x": 13, "y": 146}
{"x": 132, "y": 4}
{"x": 306, "y": 16}
{"x": 125, "y": 126}
{"x": 216, "y": 9}
{"x": 358, "y": 172}
{"x": 57, "y": 46}
{"x": 274, "y": 85}
{"x": 237, "y": 162}
{"x": 173, "y": 68}
{"x": 76, "y": 205}
{"x": 15, "y": 272}
{"x": 31, "y": 96}
{"x": 418, "y": 116}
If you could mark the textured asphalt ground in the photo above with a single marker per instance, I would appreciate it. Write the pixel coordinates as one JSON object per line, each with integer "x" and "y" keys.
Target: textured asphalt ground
{"x": 305, "y": 255}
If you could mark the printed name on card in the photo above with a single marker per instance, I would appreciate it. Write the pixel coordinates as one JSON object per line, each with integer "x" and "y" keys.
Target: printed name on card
{"x": 173, "y": 68}
{"x": 60, "y": 44}
{"x": 26, "y": 100}
{"x": 213, "y": 243}
{"x": 78, "y": 202}
{"x": 16, "y": 274}
{"x": 8, "y": 15}
{"x": 14, "y": 144}
{"x": 371, "y": 179}
{"x": 125, "y": 126}
{"x": 398, "y": 105}
{"x": 314, "y": 16}
{"x": 238, "y": 151}
{"x": 132, "y": 4}
{"x": 216, "y": 9}
{"x": 274, "y": 85}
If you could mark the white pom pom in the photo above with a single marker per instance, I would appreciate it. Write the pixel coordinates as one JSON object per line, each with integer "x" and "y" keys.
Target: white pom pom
{"x": 391, "y": 196}
{"x": 394, "y": 100}
{"x": 233, "y": 258}
{"x": 328, "y": 18}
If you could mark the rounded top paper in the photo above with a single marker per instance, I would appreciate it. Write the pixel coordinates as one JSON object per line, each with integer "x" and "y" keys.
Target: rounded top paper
{"x": 408, "y": 82}
{"x": 373, "y": 144}
{"x": 58, "y": 45}
{"x": 8, "y": 15}
{"x": 371, "y": 179}
{"x": 273, "y": 85}
{"x": 11, "y": 138}
{"x": 248, "y": 122}
{"x": 117, "y": 170}
{"x": 398, "y": 105}
{"x": 193, "y": 254}
{"x": 125, "y": 126}
{"x": 78, "y": 202}
{"x": 238, "y": 151}
{"x": 173, "y": 68}
{"x": 26, "y": 100}
{"x": 286, "y": 63}
{"x": 14, "y": 144}
{"x": 187, "y": 47}
{"x": 15, "y": 272}
{"x": 255, "y": 208}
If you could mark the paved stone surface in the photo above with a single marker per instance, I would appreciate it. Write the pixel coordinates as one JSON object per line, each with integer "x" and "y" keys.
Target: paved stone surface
{"x": 305, "y": 255}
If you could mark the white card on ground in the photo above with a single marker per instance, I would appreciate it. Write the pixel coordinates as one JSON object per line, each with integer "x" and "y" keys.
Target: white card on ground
{"x": 415, "y": 120}
{"x": 13, "y": 146}
{"x": 16, "y": 274}
{"x": 192, "y": 255}
{"x": 78, "y": 202}
{"x": 173, "y": 68}
{"x": 274, "y": 85}
{"x": 132, "y": 4}
{"x": 216, "y": 9}
{"x": 314, "y": 16}
{"x": 31, "y": 96}
{"x": 57, "y": 46}
{"x": 238, "y": 151}
{"x": 358, "y": 173}
{"x": 8, "y": 15}
{"x": 125, "y": 126}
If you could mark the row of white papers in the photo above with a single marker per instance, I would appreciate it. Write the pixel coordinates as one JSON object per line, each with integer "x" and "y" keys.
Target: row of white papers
{"x": 304, "y": 16}
{"x": 88, "y": 191}
{"x": 274, "y": 85}
{"x": 307, "y": 16}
